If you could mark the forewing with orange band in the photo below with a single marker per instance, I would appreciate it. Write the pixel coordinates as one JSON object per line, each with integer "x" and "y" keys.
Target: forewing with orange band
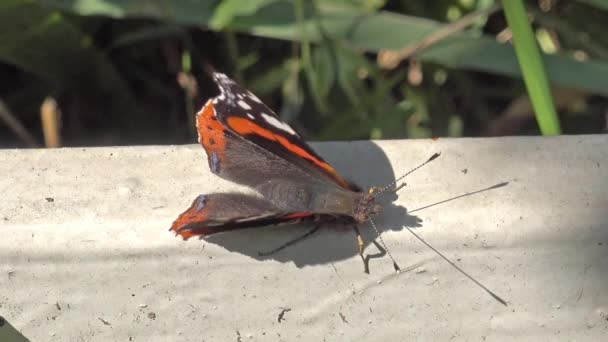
{"x": 244, "y": 115}
{"x": 242, "y": 161}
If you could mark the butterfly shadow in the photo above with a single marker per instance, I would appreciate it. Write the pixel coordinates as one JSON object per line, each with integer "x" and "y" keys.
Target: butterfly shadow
{"x": 334, "y": 241}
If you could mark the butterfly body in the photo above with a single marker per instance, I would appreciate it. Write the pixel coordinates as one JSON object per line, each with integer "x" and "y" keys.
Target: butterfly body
{"x": 248, "y": 144}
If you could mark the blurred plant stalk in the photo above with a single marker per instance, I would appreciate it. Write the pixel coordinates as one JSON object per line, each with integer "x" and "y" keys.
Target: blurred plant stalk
{"x": 50, "y": 115}
{"x": 390, "y": 59}
{"x": 190, "y": 86}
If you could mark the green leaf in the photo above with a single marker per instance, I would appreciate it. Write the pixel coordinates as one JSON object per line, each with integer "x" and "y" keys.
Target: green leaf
{"x": 227, "y": 10}
{"x": 184, "y": 12}
{"x": 385, "y": 30}
{"x": 361, "y": 6}
{"x": 323, "y": 66}
{"x": 484, "y": 54}
{"x": 368, "y": 32}
{"x": 532, "y": 67}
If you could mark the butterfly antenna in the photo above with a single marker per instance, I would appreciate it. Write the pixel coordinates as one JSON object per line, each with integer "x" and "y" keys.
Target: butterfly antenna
{"x": 388, "y": 251}
{"x": 494, "y": 295}
{"x": 393, "y": 183}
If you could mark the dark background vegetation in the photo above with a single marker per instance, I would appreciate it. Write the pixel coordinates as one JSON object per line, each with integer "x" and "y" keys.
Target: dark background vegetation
{"x": 132, "y": 72}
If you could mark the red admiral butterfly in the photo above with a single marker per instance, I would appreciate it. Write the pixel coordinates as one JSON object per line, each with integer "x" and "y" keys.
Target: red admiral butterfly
{"x": 247, "y": 143}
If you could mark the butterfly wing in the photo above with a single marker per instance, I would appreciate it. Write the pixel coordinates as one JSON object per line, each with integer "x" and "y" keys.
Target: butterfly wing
{"x": 234, "y": 158}
{"x": 214, "y": 213}
{"x": 288, "y": 186}
{"x": 246, "y": 143}
{"x": 236, "y": 112}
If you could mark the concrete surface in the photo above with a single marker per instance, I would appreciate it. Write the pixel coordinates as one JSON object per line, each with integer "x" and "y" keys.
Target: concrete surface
{"x": 85, "y": 254}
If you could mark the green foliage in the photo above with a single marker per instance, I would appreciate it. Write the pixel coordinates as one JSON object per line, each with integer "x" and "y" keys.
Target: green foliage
{"x": 315, "y": 62}
{"x": 227, "y": 10}
{"x": 532, "y": 66}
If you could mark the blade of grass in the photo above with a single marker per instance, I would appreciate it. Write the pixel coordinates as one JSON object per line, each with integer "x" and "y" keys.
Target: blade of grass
{"x": 532, "y": 67}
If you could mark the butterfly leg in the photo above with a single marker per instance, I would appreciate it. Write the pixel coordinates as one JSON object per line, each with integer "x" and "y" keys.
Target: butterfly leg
{"x": 291, "y": 242}
{"x": 361, "y": 248}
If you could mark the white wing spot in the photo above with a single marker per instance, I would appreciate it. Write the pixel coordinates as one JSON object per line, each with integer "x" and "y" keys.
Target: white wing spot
{"x": 272, "y": 121}
{"x": 243, "y": 105}
{"x": 253, "y": 97}
{"x": 250, "y": 116}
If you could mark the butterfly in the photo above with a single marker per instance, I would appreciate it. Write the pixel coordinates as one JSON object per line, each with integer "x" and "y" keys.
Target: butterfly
{"x": 247, "y": 143}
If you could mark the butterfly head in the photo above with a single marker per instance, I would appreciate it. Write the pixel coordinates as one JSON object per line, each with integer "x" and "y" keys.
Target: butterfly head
{"x": 366, "y": 207}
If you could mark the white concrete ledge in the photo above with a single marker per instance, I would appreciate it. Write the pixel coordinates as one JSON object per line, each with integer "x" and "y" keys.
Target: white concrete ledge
{"x": 85, "y": 254}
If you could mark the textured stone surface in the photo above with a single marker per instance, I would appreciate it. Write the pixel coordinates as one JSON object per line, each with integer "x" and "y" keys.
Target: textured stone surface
{"x": 85, "y": 253}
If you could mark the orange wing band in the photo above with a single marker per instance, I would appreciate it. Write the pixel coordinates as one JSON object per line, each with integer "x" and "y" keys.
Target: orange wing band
{"x": 243, "y": 126}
